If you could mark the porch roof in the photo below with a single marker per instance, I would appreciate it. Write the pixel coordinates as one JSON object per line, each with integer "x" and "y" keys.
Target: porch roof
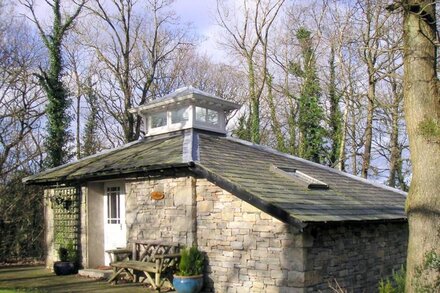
{"x": 247, "y": 171}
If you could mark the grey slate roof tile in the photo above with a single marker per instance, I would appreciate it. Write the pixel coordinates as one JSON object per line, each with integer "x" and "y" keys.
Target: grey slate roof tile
{"x": 347, "y": 199}
{"x": 247, "y": 167}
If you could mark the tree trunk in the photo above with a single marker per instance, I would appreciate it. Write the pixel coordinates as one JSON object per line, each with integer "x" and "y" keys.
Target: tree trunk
{"x": 354, "y": 145}
{"x": 341, "y": 156}
{"x": 274, "y": 122}
{"x": 254, "y": 116}
{"x": 422, "y": 114}
{"x": 395, "y": 153}
{"x": 78, "y": 127}
{"x": 369, "y": 127}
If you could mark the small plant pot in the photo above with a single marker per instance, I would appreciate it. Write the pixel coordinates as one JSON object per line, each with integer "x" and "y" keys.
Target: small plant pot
{"x": 188, "y": 284}
{"x": 62, "y": 268}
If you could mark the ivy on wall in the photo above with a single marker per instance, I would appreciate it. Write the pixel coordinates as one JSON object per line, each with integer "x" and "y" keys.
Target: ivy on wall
{"x": 66, "y": 215}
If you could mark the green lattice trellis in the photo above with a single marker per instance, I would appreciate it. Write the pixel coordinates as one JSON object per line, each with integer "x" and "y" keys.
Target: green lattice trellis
{"x": 66, "y": 216}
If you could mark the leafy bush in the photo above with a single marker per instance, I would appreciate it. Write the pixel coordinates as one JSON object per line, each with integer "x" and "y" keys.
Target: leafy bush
{"x": 394, "y": 285}
{"x": 63, "y": 254}
{"x": 68, "y": 253}
{"x": 21, "y": 219}
{"x": 191, "y": 262}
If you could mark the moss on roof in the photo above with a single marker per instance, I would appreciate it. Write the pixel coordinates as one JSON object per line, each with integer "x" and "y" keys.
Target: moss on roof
{"x": 244, "y": 170}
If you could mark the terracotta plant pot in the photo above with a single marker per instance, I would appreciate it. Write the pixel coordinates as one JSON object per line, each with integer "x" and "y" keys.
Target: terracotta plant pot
{"x": 62, "y": 268}
{"x": 188, "y": 284}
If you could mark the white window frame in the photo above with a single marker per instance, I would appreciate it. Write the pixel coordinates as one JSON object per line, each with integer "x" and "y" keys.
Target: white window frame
{"x": 117, "y": 194}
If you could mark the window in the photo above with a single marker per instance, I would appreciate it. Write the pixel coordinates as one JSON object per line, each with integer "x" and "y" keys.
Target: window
{"x": 207, "y": 115}
{"x": 179, "y": 115}
{"x": 299, "y": 177}
{"x": 158, "y": 119}
{"x": 212, "y": 117}
{"x": 200, "y": 114}
{"x": 113, "y": 205}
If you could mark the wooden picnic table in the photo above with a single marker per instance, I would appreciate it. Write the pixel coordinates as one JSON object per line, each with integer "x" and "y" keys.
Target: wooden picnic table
{"x": 151, "y": 261}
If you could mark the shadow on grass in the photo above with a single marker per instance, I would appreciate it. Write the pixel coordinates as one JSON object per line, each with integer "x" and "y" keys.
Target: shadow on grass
{"x": 6, "y": 270}
{"x": 39, "y": 279}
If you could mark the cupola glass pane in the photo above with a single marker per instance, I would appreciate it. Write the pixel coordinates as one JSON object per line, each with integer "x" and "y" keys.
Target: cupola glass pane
{"x": 200, "y": 114}
{"x": 179, "y": 115}
{"x": 158, "y": 119}
{"x": 212, "y": 117}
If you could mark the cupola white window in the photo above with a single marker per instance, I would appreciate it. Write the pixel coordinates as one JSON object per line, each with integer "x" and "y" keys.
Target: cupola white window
{"x": 179, "y": 115}
{"x": 207, "y": 116}
{"x": 158, "y": 119}
{"x": 185, "y": 108}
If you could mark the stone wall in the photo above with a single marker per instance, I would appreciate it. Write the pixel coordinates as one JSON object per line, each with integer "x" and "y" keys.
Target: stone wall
{"x": 357, "y": 256}
{"x": 171, "y": 219}
{"x": 248, "y": 250}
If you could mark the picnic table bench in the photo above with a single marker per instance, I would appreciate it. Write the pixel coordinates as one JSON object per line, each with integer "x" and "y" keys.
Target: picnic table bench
{"x": 154, "y": 261}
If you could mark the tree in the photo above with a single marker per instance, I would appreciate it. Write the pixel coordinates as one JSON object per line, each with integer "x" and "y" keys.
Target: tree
{"x": 20, "y": 96}
{"x": 250, "y": 40}
{"x": 51, "y": 81}
{"x": 132, "y": 47}
{"x": 422, "y": 114}
{"x": 310, "y": 115}
{"x": 335, "y": 119}
{"x": 90, "y": 139}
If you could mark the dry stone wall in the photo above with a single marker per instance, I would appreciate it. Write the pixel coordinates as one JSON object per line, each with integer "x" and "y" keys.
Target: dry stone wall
{"x": 248, "y": 250}
{"x": 170, "y": 219}
{"x": 357, "y": 256}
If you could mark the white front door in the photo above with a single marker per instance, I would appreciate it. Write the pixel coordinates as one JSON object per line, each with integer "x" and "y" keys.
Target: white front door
{"x": 114, "y": 218}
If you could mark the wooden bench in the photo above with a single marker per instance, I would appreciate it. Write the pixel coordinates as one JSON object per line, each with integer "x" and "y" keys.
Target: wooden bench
{"x": 153, "y": 261}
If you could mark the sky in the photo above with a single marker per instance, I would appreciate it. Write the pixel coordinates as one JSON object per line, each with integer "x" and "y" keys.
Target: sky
{"x": 202, "y": 14}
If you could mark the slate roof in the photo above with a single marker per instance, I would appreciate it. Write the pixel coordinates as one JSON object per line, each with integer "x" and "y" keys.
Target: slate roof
{"x": 244, "y": 169}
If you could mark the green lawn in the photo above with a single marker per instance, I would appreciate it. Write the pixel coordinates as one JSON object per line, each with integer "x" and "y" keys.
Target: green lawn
{"x": 38, "y": 279}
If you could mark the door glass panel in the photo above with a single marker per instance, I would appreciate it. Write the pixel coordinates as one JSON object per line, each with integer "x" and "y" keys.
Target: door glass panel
{"x": 113, "y": 205}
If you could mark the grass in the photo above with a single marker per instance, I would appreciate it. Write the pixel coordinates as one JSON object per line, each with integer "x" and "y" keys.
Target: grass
{"x": 38, "y": 279}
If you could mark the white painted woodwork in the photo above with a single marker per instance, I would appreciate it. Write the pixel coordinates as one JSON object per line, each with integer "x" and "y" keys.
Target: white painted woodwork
{"x": 115, "y": 233}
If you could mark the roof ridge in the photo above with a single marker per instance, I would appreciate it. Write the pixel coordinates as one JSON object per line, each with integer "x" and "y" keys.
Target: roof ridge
{"x": 273, "y": 151}
{"x": 190, "y": 145}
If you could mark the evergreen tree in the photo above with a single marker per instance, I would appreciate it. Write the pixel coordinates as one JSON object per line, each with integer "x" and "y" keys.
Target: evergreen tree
{"x": 90, "y": 141}
{"x": 58, "y": 118}
{"x": 335, "y": 123}
{"x": 243, "y": 128}
{"x": 310, "y": 116}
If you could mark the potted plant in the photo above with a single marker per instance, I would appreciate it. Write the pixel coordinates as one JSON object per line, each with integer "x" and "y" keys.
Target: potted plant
{"x": 189, "y": 279}
{"x": 68, "y": 263}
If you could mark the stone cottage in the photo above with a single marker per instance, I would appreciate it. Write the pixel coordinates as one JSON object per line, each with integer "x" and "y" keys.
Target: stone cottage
{"x": 268, "y": 221}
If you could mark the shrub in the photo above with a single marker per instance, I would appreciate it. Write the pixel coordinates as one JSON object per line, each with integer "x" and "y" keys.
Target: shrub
{"x": 394, "y": 285}
{"x": 68, "y": 253}
{"x": 191, "y": 262}
{"x": 63, "y": 254}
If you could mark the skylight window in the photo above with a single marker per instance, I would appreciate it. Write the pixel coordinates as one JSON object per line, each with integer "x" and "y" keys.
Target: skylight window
{"x": 299, "y": 177}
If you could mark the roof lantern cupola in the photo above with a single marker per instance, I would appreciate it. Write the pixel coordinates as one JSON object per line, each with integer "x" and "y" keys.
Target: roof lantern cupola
{"x": 185, "y": 108}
